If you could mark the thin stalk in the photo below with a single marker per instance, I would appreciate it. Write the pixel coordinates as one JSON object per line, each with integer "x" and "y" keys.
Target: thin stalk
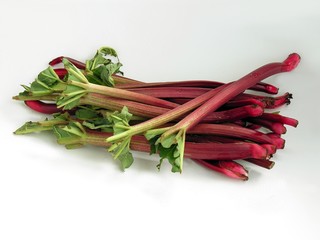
{"x": 171, "y": 92}
{"x": 261, "y": 87}
{"x": 123, "y": 94}
{"x": 229, "y": 168}
{"x": 261, "y": 162}
{"x": 275, "y": 117}
{"x": 41, "y": 107}
{"x": 231, "y": 131}
{"x": 275, "y": 127}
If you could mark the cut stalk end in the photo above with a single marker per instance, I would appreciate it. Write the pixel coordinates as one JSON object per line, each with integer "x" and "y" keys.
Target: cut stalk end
{"x": 291, "y": 62}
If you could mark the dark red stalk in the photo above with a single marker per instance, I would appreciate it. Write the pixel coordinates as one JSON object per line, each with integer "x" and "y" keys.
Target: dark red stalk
{"x": 230, "y": 104}
{"x": 193, "y": 92}
{"x": 61, "y": 72}
{"x": 234, "y": 114}
{"x": 242, "y": 102}
{"x": 212, "y": 138}
{"x": 209, "y": 151}
{"x": 225, "y": 151}
{"x": 270, "y": 102}
{"x": 228, "y": 168}
{"x": 278, "y": 102}
{"x": 271, "y": 148}
{"x": 41, "y": 107}
{"x": 231, "y": 131}
{"x": 252, "y": 126}
{"x": 262, "y": 87}
{"x": 277, "y": 140}
{"x": 275, "y": 127}
{"x": 261, "y": 162}
{"x": 275, "y": 117}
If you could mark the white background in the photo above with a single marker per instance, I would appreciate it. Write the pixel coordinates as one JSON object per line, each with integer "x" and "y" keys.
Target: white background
{"x": 48, "y": 192}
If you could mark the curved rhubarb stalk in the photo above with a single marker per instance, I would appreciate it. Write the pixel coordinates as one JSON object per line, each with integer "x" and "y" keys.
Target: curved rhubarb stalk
{"x": 41, "y": 107}
{"x": 228, "y": 168}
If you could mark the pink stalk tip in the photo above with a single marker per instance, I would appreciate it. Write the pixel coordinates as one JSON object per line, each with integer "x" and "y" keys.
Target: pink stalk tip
{"x": 291, "y": 62}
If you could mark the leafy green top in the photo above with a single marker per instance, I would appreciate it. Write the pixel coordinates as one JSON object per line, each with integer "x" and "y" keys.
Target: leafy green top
{"x": 102, "y": 66}
{"x": 121, "y": 150}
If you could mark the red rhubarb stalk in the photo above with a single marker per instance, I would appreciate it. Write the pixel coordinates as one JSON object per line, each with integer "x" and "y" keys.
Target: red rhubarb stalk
{"x": 262, "y": 87}
{"x": 213, "y": 99}
{"x": 275, "y": 117}
{"x": 176, "y": 134}
{"x": 228, "y": 168}
{"x": 41, "y": 107}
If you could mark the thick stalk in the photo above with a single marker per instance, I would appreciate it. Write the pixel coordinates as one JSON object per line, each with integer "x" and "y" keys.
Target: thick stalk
{"x": 233, "y": 90}
{"x": 262, "y": 87}
{"x": 124, "y": 94}
{"x": 167, "y": 117}
{"x": 261, "y": 162}
{"x": 231, "y": 131}
{"x": 208, "y": 151}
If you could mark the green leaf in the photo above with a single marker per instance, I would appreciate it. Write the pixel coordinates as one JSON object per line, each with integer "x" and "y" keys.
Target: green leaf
{"x": 120, "y": 120}
{"x": 170, "y": 147}
{"x": 93, "y": 79}
{"x": 96, "y": 61}
{"x": 75, "y": 128}
{"x": 121, "y": 150}
{"x": 101, "y": 123}
{"x": 165, "y": 153}
{"x": 74, "y": 74}
{"x": 39, "y": 89}
{"x": 70, "y": 97}
{"x": 85, "y": 113}
{"x": 48, "y": 77}
{"x": 71, "y": 135}
{"x": 102, "y": 67}
{"x": 108, "y": 51}
{"x": 30, "y": 127}
{"x": 27, "y": 88}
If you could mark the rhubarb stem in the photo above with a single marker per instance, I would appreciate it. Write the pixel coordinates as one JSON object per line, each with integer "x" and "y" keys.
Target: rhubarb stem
{"x": 233, "y": 90}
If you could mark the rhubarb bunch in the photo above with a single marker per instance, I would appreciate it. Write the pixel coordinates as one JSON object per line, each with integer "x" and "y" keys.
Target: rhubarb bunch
{"x": 212, "y": 123}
